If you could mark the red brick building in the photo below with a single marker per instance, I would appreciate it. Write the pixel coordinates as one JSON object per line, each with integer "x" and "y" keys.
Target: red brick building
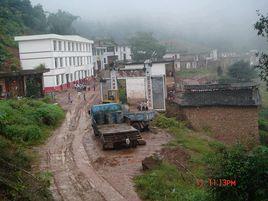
{"x": 228, "y": 112}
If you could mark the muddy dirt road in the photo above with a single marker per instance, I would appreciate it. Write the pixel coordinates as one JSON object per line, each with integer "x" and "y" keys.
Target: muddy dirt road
{"x": 81, "y": 170}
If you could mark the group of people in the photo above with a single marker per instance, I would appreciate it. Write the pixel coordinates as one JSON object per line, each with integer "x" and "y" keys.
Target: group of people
{"x": 143, "y": 106}
{"x": 81, "y": 89}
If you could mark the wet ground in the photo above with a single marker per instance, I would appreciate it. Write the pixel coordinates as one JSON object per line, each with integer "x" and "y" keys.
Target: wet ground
{"x": 81, "y": 169}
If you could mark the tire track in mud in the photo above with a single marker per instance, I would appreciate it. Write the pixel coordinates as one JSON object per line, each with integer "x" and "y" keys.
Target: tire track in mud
{"x": 74, "y": 178}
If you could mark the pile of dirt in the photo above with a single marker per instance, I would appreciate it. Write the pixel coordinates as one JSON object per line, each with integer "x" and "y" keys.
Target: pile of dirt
{"x": 176, "y": 156}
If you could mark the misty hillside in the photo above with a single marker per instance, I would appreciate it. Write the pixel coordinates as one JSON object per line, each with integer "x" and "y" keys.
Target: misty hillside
{"x": 208, "y": 24}
{"x": 16, "y": 18}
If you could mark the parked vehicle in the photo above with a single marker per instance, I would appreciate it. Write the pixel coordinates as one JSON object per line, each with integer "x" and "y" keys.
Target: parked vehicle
{"x": 113, "y": 129}
{"x": 140, "y": 120}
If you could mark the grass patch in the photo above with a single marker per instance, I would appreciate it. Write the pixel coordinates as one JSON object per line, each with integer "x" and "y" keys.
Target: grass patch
{"x": 167, "y": 182}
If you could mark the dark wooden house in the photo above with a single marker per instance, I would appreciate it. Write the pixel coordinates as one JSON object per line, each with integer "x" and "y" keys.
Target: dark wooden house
{"x": 22, "y": 83}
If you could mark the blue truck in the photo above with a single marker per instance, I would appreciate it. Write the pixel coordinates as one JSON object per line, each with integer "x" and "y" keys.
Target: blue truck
{"x": 116, "y": 127}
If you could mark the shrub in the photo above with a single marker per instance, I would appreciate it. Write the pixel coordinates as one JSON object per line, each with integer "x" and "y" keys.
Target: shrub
{"x": 49, "y": 114}
{"x": 263, "y": 124}
{"x": 15, "y": 183}
{"x": 27, "y": 120}
{"x": 26, "y": 133}
{"x": 164, "y": 122}
{"x": 249, "y": 169}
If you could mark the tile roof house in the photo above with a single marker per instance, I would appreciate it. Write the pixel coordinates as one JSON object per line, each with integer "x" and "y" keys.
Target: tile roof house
{"x": 228, "y": 111}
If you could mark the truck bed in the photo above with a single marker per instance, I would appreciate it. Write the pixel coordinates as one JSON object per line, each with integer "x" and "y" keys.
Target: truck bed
{"x": 107, "y": 129}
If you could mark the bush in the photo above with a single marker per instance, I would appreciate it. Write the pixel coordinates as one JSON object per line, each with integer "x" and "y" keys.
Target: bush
{"x": 28, "y": 120}
{"x": 15, "y": 183}
{"x": 263, "y": 124}
{"x": 26, "y": 133}
{"x": 49, "y": 114}
{"x": 163, "y": 122}
{"x": 263, "y": 137}
{"x": 249, "y": 169}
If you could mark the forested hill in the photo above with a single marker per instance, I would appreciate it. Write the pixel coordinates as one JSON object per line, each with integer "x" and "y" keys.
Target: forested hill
{"x": 19, "y": 17}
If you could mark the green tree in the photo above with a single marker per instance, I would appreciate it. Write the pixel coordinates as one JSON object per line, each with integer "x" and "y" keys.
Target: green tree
{"x": 145, "y": 46}
{"x": 262, "y": 27}
{"x": 61, "y": 22}
{"x": 241, "y": 71}
{"x": 248, "y": 169}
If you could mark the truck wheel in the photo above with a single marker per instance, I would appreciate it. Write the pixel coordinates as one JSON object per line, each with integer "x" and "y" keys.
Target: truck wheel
{"x": 104, "y": 147}
{"x": 134, "y": 143}
{"x": 136, "y": 125}
{"x": 95, "y": 133}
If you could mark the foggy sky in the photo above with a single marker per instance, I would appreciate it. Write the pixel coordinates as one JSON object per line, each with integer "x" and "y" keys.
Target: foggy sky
{"x": 198, "y": 19}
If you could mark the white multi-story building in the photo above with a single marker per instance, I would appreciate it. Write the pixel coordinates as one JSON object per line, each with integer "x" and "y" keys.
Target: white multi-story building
{"x": 69, "y": 58}
{"x": 105, "y": 54}
{"x": 123, "y": 53}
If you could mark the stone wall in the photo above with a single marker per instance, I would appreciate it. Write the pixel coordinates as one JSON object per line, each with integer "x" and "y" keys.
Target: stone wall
{"x": 227, "y": 124}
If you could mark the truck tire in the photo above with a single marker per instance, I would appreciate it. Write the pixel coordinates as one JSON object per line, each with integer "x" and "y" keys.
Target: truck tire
{"x": 104, "y": 147}
{"x": 137, "y": 125}
{"x": 134, "y": 144}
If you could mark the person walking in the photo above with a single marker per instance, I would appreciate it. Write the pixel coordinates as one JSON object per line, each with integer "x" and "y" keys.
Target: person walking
{"x": 69, "y": 98}
{"x": 84, "y": 94}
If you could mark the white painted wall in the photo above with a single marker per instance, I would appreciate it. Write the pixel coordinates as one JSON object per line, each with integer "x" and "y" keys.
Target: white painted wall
{"x": 121, "y": 50}
{"x": 171, "y": 56}
{"x": 35, "y": 46}
{"x": 134, "y": 66}
{"x": 135, "y": 87}
{"x": 39, "y": 49}
{"x": 158, "y": 69}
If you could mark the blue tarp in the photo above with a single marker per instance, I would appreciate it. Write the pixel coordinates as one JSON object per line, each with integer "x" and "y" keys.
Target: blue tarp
{"x": 110, "y": 107}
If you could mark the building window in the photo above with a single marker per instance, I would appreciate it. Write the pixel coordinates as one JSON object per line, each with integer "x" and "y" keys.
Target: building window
{"x": 104, "y": 60}
{"x": 55, "y": 45}
{"x": 70, "y": 61}
{"x": 72, "y": 46}
{"x": 66, "y": 61}
{"x": 62, "y": 78}
{"x": 56, "y": 62}
{"x": 71, "y": 77}
{"x": 69, "y": 46}
{"x": 57, "y": 80}
{"x": 90, "y": 60}
{"x": 116, "y": 48}
{"x": 61, "y": 62}
{"x": 60, "y": 46}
